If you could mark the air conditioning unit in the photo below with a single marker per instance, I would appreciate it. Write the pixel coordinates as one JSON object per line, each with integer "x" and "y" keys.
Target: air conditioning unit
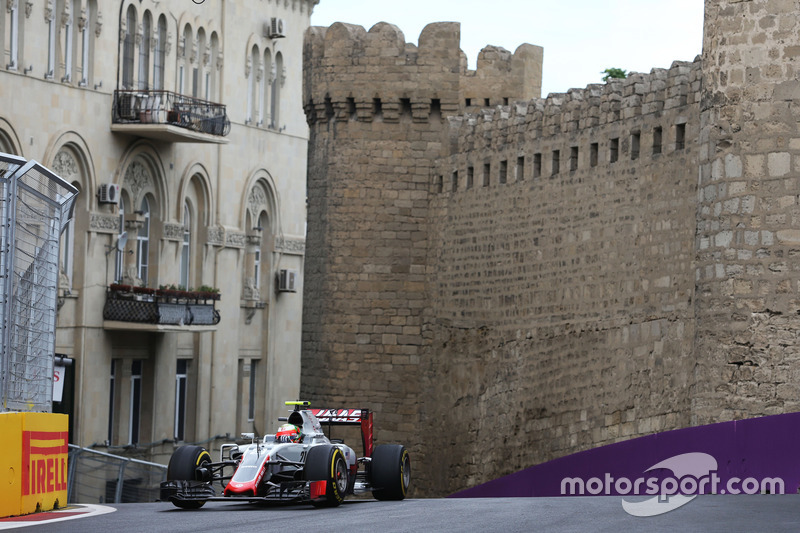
{"x": 276, "y": 28}
{"x": 109, "y": 193}
{"x": 286, "y": 280}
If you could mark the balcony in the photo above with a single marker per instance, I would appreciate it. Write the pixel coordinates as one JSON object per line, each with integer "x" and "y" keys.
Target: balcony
{"x": 170, "y": 117}
{"x": 143, "y": 309}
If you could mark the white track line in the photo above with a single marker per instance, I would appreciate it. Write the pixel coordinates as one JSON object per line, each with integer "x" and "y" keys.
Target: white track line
{"x": 85, "y": 510}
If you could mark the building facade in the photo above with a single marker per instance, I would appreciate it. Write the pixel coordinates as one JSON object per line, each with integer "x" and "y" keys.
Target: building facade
{"x": 182, "y": 125}
{"x": 508, "y": 279}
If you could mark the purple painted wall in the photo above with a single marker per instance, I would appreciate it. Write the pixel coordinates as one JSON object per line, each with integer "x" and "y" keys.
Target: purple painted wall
{"x": 757, "y": 448}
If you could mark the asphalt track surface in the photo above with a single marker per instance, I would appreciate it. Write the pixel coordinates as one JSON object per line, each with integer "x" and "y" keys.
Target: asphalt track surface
{"x": 591, "y": 513}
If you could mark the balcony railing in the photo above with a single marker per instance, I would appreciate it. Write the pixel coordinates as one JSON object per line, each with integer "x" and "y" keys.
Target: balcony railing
{"x": 168, "y": 108}
{"x": 161, "y": 307}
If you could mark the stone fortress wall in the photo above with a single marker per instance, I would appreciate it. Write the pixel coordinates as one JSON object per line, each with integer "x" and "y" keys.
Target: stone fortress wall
{"x": 512, "y": 283}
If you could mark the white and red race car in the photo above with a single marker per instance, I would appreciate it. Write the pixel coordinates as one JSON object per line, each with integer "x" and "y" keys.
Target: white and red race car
{"x": 299, "y": 463}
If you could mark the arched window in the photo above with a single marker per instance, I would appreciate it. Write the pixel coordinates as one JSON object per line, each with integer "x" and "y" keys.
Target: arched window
{"x": 185, "y": 62}
{"x": 160, "y": 54}
{"x": 200, "y": 82}
{"x": 13, "y": 19}
{"x": 128, "y": 49}
{"x": 67, "y": 247}
{"x": 263, "y": 223}
{"x": 143, "y": 243}
{"x": 214, "y": 68}
{"x": 252, "y": 88}
{"x": 51, "y": 47}
{"x": 119, "y": 264}
{"x": 186, "y": 252}
{"x": 68, "y": 36}
{"x": 266, "y": 89}
{"x": 87, "y": 19}
{"x": 276, "y": 91}
{"x": 144, "y": 52}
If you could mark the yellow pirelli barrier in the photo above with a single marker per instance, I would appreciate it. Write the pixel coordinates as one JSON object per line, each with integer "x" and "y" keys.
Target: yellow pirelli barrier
{"x": 33, "y": 462}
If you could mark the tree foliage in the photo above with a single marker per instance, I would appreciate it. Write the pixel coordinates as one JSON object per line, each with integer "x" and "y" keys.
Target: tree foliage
{"x": 615, "y": 73}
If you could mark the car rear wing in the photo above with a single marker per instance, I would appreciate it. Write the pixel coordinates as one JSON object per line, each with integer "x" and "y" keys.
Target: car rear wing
{"x": 349, "y": 417}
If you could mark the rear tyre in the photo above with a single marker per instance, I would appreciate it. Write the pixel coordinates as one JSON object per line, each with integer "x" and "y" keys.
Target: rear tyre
{"x": 183, "y": 467}
{"x": 326, "y": 465}
{"x": 390, "y": 472}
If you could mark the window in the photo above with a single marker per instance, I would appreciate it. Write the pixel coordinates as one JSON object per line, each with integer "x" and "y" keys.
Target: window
{"x": 556, "y": 162}
{"x": 14, "y": 36}
{"x": 440, "y": 184}
{"x": 252, "y": 87}
{"x": 405, "y": 107}
{"x": 143, "y": 243}
{"x": 186, "y": 246}
{"x": 455, "y": 181}
{"x": 112, "y": 385}
{"x": 160, "y": 53}
{"x": 657, "y": 140}
{"x": 181, "y": 378}
{"x": 486, "y": 102}
{"x": 266, "y": 89}
{"x": 470, "y": 177}
{"x": 276, "y": 92}
{"x": 67, "y": 46}
{"x": 51, "y": 48}
{"x": 199, "y": 72}
{"x": 503, "y": 171}
{"x": 66, "y": 250}
{"x": 520, "y": 168}
{"x": 635, "y": 138}
{"x": 537, "y": 165}
{"x": 680, "y": 136}
{"x": 486, "y": 173}
{"x": 128, "y": 49}
{"x": 613, "y": 150}
{"x": 120, "y": 255}
{"x": 86, "y": 44}
{"x": 251, "y": 400}
{"x": 351, "y": 108}
{"x": 594, "y": 149}
{"x": 573, "y": 158}
{"x": 257, "y": 268}
{"x": 136, "y": 401}
{"x": 144, "y": 53}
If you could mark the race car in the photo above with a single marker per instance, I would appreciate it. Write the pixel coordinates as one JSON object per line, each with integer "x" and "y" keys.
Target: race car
{"x": 299, "y": 463}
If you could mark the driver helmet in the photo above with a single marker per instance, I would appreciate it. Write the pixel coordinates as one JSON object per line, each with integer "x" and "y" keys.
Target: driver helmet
{"x": 288, "y": 433}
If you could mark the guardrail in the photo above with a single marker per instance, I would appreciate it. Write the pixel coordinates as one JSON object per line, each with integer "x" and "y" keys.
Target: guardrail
{"x": 166, "y": 107}
{"x": 99, "y": 477}
{"x": 184, "y": 308}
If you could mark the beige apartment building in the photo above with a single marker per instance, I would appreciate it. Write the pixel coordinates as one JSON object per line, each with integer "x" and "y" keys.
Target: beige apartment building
{"x": 182, "y": 125}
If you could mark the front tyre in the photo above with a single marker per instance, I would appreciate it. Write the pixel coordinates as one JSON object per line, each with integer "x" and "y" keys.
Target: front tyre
{"x": 326, "y": 469}
{"x": 183, "y": 467}
{"x": 390, "y": 472}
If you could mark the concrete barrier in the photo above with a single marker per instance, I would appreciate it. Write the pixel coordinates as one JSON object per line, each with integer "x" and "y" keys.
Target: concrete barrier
{"x": 33, "y": 462}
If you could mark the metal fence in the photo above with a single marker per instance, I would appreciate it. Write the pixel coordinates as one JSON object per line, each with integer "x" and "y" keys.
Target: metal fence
{"x": 35, "y": 205}
{"x": 98, "y": 477}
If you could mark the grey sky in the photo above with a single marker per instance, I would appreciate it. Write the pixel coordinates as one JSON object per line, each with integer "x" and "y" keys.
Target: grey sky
{"x": 580, "y": 37}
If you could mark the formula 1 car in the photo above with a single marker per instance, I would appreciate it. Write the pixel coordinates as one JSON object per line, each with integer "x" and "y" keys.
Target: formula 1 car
{"x": 299, "y": 463}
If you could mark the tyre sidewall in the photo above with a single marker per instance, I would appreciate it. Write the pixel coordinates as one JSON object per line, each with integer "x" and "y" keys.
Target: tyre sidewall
{"x": 387, "y": 472}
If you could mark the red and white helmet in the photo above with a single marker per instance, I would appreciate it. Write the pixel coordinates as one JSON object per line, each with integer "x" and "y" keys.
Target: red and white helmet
{"x": 288, "y": 433}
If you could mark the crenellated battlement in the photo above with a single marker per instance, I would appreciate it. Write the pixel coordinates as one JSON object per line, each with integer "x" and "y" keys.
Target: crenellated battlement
{"x": 354, "y": 74}
{"x": 597, "y": 105}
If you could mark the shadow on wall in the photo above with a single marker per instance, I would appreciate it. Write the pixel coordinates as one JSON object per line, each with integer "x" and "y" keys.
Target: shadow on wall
{"x": 753, "y": 456}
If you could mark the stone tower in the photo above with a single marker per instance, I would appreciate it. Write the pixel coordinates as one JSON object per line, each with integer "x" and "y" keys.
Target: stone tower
{"x": 748, "y": 218}
{"x": 377, "y": 109}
